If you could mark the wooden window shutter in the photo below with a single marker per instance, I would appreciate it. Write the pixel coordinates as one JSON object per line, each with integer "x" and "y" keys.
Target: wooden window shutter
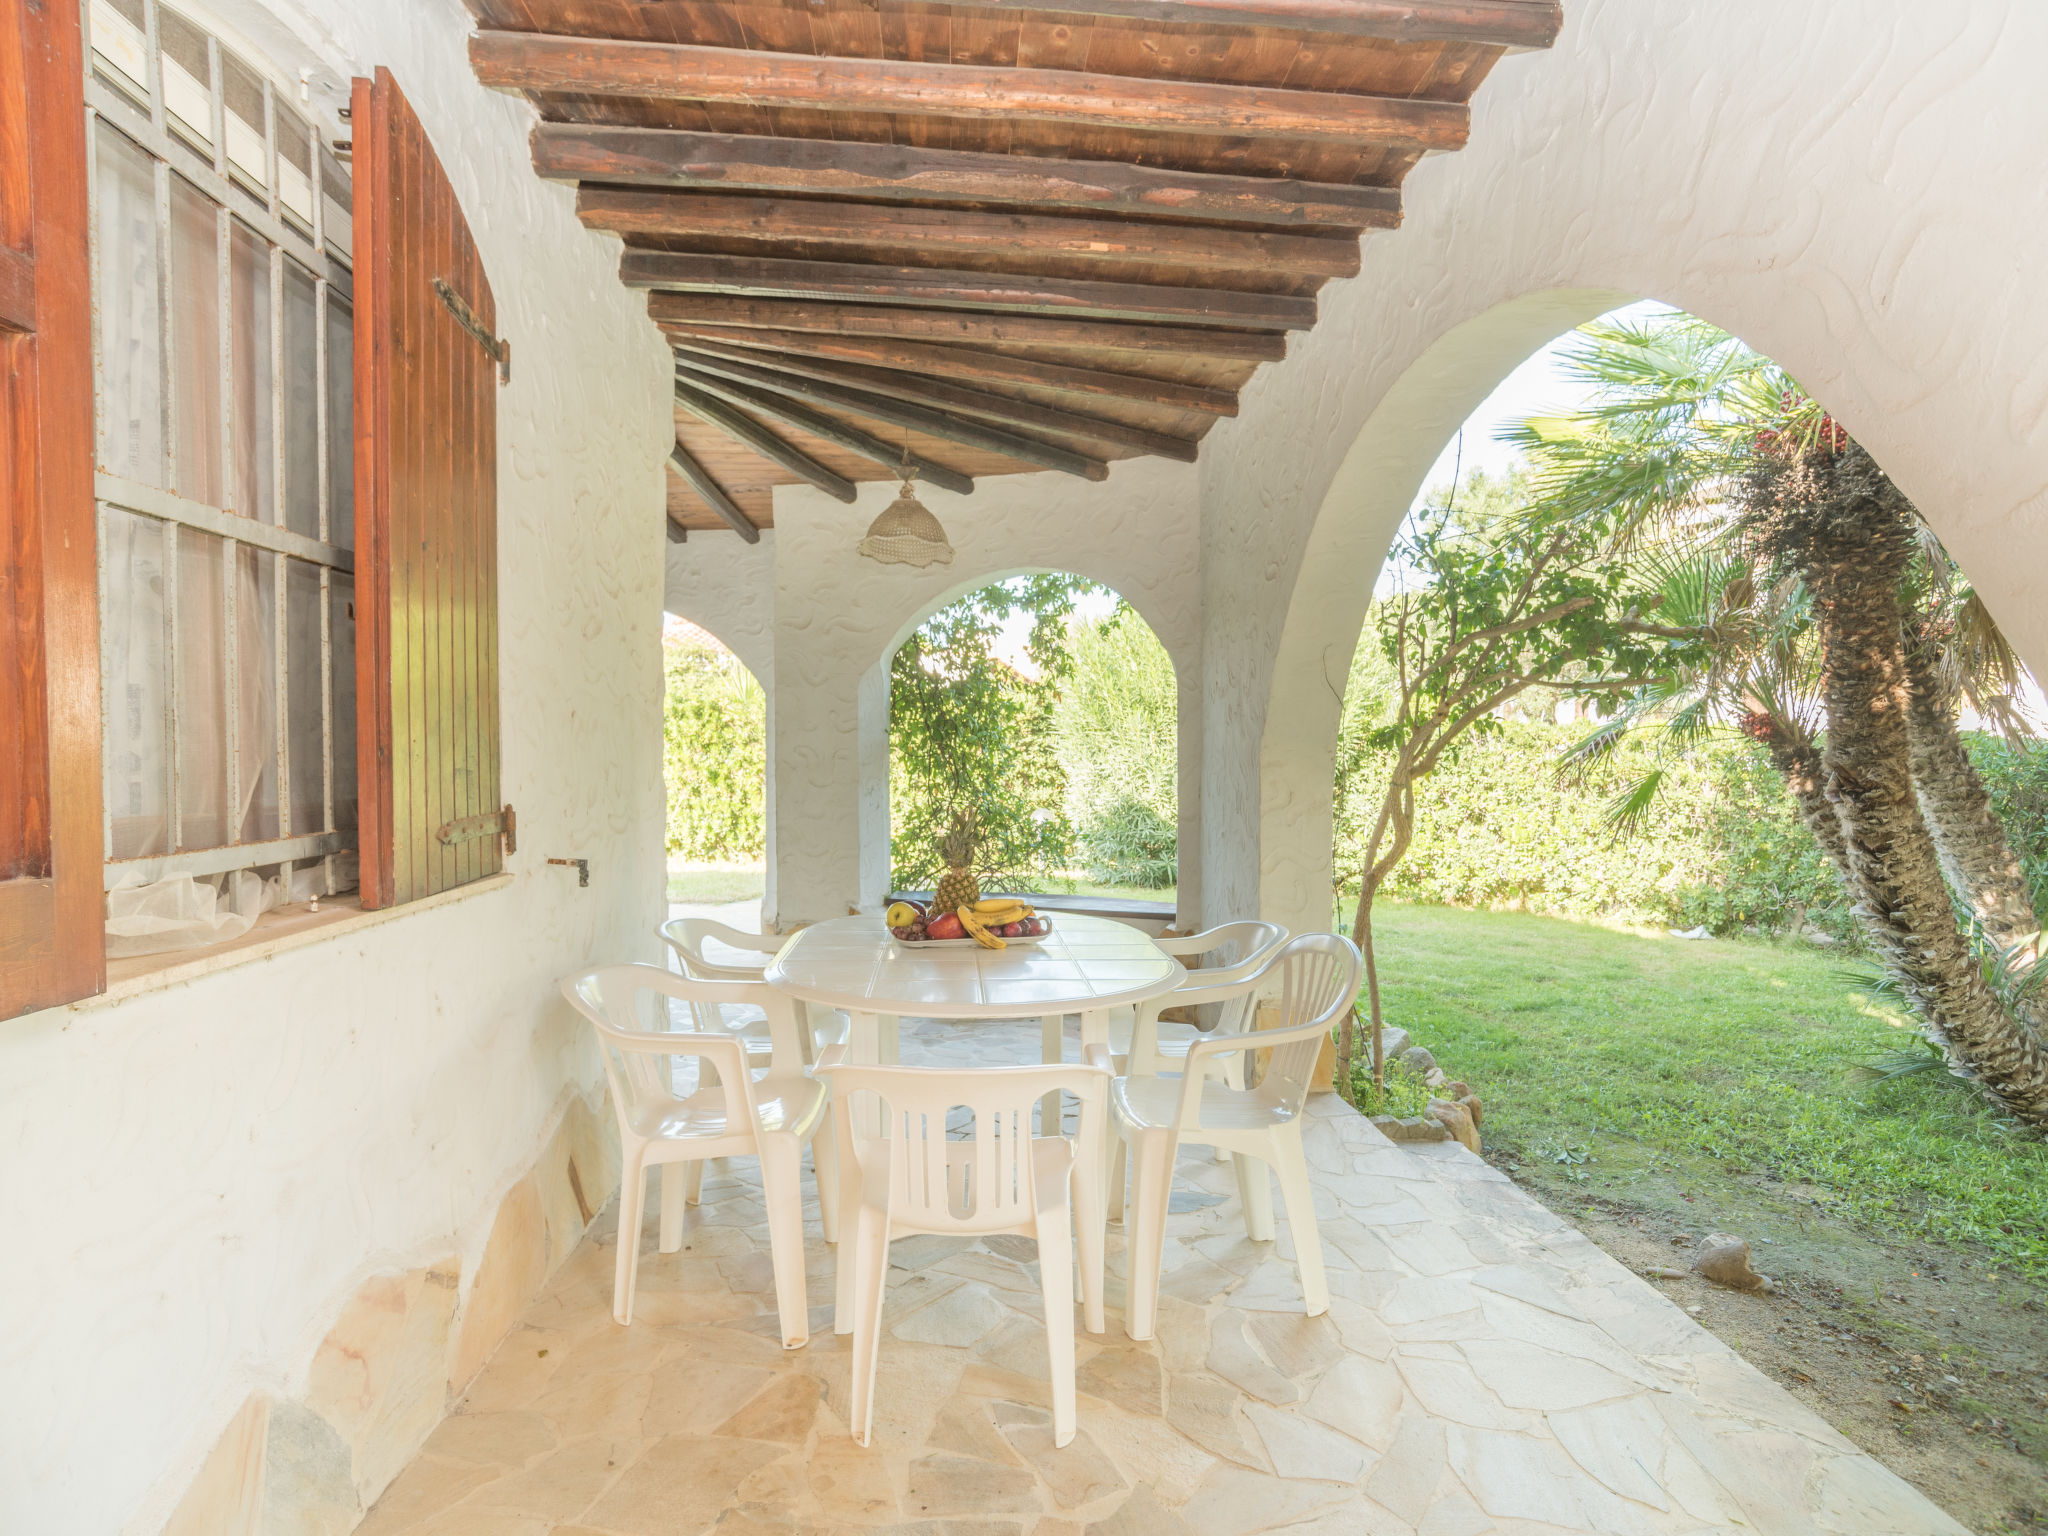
{"x": 52, "y": 913}
{"x": 427, "y": 368}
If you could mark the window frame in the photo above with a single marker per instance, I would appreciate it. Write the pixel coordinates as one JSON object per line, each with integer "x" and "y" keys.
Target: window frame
{"x": 320, "y": 251}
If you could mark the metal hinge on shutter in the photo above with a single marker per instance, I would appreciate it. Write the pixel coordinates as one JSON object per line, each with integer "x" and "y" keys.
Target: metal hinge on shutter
{"x": 503, "y": 823}
{"x": 500, "y": 350}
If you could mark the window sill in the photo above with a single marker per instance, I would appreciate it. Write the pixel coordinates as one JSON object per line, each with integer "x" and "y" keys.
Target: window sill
{"x": 276, "y": 932}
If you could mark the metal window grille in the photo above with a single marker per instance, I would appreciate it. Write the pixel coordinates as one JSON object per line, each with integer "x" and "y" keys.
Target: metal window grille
{"x": 222, "y": 353}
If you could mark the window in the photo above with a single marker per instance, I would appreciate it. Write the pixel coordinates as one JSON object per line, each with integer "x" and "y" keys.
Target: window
{"x": 221, "y": 371}
{"x": 222, "y": 356}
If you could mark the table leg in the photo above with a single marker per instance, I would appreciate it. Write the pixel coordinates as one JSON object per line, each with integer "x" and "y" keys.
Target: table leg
{"x": 889, "y": 1043}
{"x": 1053, "y": 1035}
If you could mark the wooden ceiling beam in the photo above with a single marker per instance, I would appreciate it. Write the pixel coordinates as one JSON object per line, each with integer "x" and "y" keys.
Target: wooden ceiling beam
{"x": 754, "y": 437}
{"x": 674, "y": 157}
{"x": 770, "y": 277}
{"x": 901, "y": 413}
{"x": 963, "y": 327}
{"x": 585, "y": 66}
{"x": 1006, "y": 411}
{"x": 959, "y": 232}
{"x": 713, "y": 493}
{"x": 967, "y": 363}
{"x": 833, "y": 430}
{"x": 1497, "y": 23}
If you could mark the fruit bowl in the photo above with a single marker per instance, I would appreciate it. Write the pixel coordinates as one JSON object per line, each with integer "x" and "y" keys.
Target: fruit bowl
{"x": 1026, "y": 940}
{"x": 1009, "y": 920}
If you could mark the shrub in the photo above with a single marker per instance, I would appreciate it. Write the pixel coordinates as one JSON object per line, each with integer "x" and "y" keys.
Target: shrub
{"x": 714, "y": 754}
{"x": 1117, "y": 724}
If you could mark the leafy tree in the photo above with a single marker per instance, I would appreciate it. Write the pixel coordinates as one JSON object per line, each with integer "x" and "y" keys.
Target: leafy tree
{"x": 714, "y": 754}
{"x": 1118, "y": 736}
{"x": 1522, "y": 601}
{"x": 969, "y": 731}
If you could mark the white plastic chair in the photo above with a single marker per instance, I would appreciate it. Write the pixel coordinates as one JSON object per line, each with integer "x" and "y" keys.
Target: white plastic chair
{"x": 1245, "y": 947}
{"x": 910, "y": 1177}
{"x": 687, "y": 937}
{"x": 739, "y": 1115}
{"x": 1316, "y": 977}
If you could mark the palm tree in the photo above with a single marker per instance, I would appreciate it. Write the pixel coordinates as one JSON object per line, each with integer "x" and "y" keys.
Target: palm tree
{"x": 1837, "y": 634}
{"x": 1827, "y": 510}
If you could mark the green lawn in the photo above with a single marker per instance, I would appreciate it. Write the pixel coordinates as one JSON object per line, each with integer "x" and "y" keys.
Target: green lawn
{"x": 1606, "y": 1058}
{"x": 714, "y": 884}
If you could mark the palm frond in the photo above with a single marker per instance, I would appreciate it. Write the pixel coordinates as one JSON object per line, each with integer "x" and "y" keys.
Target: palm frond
{"x": 1628, "y": 811}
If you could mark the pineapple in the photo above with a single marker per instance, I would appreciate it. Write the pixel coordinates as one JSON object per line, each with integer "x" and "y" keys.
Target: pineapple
{"x": 957, "y": 888}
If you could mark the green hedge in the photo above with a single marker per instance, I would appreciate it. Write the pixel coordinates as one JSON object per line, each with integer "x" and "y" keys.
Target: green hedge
{"x": 1118, "y": 730}
{"x": 1723, "y": 847}
{"x": 715, "y": 755}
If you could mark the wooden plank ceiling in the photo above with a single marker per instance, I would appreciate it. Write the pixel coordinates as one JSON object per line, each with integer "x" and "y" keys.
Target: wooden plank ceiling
{"x": 1013, "y": 237}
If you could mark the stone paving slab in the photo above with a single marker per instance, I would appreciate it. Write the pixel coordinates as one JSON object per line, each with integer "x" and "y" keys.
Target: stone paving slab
{"x": 1483, "y": 1368}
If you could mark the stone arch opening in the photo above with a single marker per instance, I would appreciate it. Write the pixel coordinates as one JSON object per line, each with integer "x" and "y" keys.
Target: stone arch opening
{"x": 1378, "y": 481}
{"x": 1119, "y": 824}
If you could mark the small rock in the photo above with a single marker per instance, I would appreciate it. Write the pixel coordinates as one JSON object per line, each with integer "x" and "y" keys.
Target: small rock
{"x": 1472, "y": 1105}
{"x": 1665, "y": 1272}
{"x": 1409, "y": 1128}
{"x": 1725, "y": 1261}
{"x": 1456, "y": 1119}
{"x": 1692, "y": 933}
{"x": 1695, "y": 1309}
{"x": 1393, "y": 1040}
{"x": 1418, "y": 1060}
{"x": 1457, "y": 1090}
{"x": 1434, "y": 1077}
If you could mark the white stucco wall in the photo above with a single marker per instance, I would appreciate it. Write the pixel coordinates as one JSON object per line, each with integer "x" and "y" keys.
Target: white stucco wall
{"x": 1849, "y": 186}
{"x": 196, "y": 1179}
{"x": 723, "y": 584}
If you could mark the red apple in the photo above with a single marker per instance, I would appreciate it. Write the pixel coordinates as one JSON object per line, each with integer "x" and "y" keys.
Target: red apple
{"x": 945, "y": 926}
{"x": 1012, "y": 930}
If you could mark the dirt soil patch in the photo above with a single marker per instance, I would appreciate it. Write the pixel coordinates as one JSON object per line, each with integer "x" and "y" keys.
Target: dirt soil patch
{"x": 1929, "y": 1358}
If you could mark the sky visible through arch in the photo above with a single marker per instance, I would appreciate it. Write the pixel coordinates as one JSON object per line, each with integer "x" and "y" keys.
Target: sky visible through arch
{"x": 1541, "y": 386}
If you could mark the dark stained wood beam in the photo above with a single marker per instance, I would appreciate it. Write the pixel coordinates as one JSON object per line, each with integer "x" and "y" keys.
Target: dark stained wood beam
{"x": 940, "y": 424}
{"x": 677, "y": 533}
{"x": 714, "y": 494}
{"x": 964, "y": 328}
{"x": 832, "y": 430}
{"x": 769, "y": 277}
{"x": 1006, "y": 411}
{"x": 674, "y": 157}
{"x": 966, "y": 363}
{"x": 1499, "y": 23}
{"x": 960, "y": 232}
{"x": 529, "y": 61}
{"x": 750, "y": 434}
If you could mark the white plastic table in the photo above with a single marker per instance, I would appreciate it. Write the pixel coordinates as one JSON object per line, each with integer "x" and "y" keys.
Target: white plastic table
{"x": 1086, "y": 965}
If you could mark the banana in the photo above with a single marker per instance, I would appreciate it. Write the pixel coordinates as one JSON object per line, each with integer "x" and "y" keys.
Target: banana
{"x": 971, "y": 921}
{"x": 1001, "y": 908}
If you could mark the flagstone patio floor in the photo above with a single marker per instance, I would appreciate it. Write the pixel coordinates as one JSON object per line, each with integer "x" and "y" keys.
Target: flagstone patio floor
{"x": 1483, "y": 1368}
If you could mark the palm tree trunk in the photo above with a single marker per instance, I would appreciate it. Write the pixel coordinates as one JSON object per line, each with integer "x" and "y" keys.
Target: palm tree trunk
{"x": 1975, "y": 853}
{"x": 1837, "y": 515}
{"x": 1797, "y": 758}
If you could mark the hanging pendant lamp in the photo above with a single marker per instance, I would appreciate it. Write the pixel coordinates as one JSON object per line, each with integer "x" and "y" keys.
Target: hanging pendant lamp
{"x": 906, "y": 533}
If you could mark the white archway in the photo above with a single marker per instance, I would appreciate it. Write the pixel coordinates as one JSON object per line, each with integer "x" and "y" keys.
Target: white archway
{"x": 839, "y": 618}
{"x": 1820, "y": 186}
{"x": 875, "y": 826}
